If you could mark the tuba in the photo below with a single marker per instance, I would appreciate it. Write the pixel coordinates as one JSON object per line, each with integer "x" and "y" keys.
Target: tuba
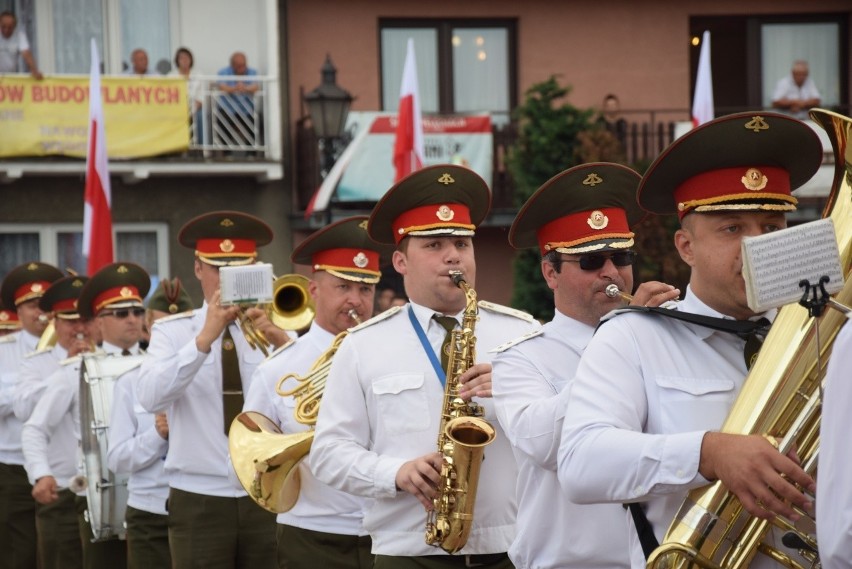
{"x": 781, "y": 398}
{"x": 265, "y": 459}
{"x": 462, "y": 438}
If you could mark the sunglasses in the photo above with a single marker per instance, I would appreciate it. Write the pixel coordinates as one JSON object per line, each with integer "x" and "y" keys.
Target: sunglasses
{"x": 124, "y": 313}
{"x": 594, "y": 261}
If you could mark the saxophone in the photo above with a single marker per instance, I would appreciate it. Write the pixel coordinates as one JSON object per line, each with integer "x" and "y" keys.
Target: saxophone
{"x": 462, "y": 437}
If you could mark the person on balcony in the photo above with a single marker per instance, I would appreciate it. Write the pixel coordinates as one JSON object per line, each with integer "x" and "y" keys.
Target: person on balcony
{"x": 183, "y": 68}
{"x": 13, "y": 42}
{"x": 796, "y": 93}
{"x": 238, "y": 119}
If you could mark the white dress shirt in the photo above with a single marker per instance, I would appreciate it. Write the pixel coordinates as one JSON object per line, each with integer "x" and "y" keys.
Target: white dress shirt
{"x": 834, "y": 483}
{"x": 51, "y": 436}
{"x": 530, "y": 395}
{"x": 786, "y": 88}
{"x": 646, "y": 391}
{"x": 13, "y": 348}
{"x": 187, "y": 384}
{"x": 137, "y": 449}
{"x": 319, "y": 507}
{"x": 382, "y": 407}
{"x": 36, "y": 367}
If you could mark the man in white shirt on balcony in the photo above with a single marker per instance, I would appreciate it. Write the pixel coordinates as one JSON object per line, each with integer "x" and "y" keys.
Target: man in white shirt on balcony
{"x": 13, "y": 42}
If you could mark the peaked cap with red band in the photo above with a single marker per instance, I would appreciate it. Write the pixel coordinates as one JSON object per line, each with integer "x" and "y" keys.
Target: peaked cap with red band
{"x": 62, "y": 298}
{"x": 343, "y": 249}
{"x": 119, "y": 285}
{"x": 9, "y": 319}
{"x": 587, "y": 208}
{"x": 742, "y": 162}
{"x": 223, "y": 238}
{"x": 26, "y": 282}
{"x": 441, "y": 200}
{"x": 170, "y": 297}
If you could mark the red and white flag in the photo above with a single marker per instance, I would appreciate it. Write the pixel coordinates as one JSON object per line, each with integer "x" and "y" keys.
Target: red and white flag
{"x": 408, "y": 147}
{"x": 702, "y": 99}
{"x": 97, "y": 218}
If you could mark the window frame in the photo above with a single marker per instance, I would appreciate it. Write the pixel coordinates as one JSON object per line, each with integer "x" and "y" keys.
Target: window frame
{"x": 444, "y": 28}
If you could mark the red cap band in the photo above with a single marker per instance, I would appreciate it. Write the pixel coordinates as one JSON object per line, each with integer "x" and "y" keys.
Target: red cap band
{"x": 30, "y": 290}
{"x": 9, "y": 318}
{"x": 432, "y": 217}
{"x": 731, "y": 186}
{"x": 225, "y": 248}
{"x": 116, "y": 294}
{"x": 582, "y": 227}
{"x": 342, "y": 259}
{"x": 65, "y": 305}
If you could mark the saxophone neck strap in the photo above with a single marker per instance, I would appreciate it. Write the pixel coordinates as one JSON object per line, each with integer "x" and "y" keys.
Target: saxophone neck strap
{"x": 427, "y": 347}
{"x": 742, "y": 328}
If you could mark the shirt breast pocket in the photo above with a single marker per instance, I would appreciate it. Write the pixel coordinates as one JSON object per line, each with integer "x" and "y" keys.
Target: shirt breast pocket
{"x": 401, "y": 403}
{"x": 694, "y": 403}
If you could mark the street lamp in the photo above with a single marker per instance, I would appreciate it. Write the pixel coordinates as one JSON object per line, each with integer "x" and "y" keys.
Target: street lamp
{"x": 328, "y": 106}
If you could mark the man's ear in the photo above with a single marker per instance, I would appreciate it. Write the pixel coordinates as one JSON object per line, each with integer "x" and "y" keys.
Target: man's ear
{"x": 400, "y": 262}
{"x": 548, "y": 271}
{"x": 683, "y": 239}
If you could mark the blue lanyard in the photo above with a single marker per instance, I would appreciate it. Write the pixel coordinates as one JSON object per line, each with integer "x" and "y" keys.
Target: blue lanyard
{"x": 427, "y": 347}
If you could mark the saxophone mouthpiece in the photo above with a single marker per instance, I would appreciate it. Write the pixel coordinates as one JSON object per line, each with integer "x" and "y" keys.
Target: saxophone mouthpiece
{"x": 612, "y": 291}
{"x": 457, "y": 276}
{"x": 43, "y": 318}
{"x": 354, "y": 316}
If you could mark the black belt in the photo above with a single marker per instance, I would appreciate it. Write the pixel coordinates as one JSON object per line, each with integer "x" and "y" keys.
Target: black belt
{"x": 470, "y": 560}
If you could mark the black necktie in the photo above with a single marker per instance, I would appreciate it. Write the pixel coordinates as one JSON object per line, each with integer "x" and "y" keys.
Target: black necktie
{"x": 232, "y": 385}
{"x": 754, "y": 340}
{"x": 126, "y": 352}
{"x": 448, "y": 323}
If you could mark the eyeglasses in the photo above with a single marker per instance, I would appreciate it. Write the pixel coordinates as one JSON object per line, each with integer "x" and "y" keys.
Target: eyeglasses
{"x": 594, "y": 261}
{"x": 124, "y": 313}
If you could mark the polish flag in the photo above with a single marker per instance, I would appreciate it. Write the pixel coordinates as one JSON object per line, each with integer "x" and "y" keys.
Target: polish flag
{"x": 702, "y": 100}
{"x": 97, "y": 219}
{"x": 408, "y": 147}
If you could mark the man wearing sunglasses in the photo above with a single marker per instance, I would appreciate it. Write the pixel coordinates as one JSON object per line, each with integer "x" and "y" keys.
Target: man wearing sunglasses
{"x": 651, "y": 391}
{"x": 581, "y": 222}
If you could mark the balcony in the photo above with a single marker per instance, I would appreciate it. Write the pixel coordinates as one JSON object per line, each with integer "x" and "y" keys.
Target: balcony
{"x": 227, "y": 136}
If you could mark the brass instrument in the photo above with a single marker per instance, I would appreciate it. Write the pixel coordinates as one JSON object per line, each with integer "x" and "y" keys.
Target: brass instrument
{"x": 781, "y": 398}
{"x": 292, "y": 308}
{"x": 48, "y": 338}
{"x": 264, "y": 458}
{"x": 613, "y": 291}
{"x": 462, "y": 438}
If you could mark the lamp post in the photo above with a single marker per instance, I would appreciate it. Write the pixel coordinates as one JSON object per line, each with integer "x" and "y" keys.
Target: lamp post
{"x": 328, "y": 106}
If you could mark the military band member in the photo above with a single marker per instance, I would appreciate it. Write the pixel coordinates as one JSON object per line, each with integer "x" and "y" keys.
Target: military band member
{"x": 50, "y": 435}
{"x": 20, "y": 291}
{"x": 581, "y": 220}
{"x": 651, "y": 391}
{"x": 197, "y": 368}
{"x": 324, "y": 528}
{"x": 9, "y": 321}
{"x": 378, "y": 425}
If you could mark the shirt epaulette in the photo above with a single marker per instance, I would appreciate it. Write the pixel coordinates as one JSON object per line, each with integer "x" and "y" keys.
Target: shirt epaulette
{"x": 177, "y": 316}
{"x": 8, "y": 339}
{"x": 505, "y": 346}
{"x": 500, "y": 309}
{"x": 71, "y": 360}
{"x": 38, "y": 353}
{"x": 280, "y": 349}
{"x": 377, "y": 318}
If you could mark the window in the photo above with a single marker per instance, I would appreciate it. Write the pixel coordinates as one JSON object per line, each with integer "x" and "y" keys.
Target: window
{"x": 145, "y": 244}
{"x": 462, "y": 66}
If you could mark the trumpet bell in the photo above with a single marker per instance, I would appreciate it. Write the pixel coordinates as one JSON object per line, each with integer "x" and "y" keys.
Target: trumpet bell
{"x": 292, "y": 306}
{"x": 266, "y": 460}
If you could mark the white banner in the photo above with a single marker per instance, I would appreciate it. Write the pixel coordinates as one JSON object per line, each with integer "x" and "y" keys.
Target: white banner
{"x": 464, "y": 140}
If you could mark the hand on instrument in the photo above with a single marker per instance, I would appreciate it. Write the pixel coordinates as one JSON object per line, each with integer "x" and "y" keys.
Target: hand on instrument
{"x": 79, "y": 345}
{"x": 475, "y": 382}
{"x": 45, "y": 491}
{"x": 276, "y": 336}
{"x": 752, "y": 468}
{"x": 162, "y": 425}
{"x": 218, "y": 317}
{"x": 654, "y": 293}
{"x": 420, "y": 478}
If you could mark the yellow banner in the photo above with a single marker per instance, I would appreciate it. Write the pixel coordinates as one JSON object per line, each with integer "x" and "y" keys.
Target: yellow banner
{"x": 143, "y": 117}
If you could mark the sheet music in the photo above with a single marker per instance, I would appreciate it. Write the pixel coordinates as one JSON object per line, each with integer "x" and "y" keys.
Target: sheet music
{"x": 775, "y": 263}
{"x": 247, "y": 284}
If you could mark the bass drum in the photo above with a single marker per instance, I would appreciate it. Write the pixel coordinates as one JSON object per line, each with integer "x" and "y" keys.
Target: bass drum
{"x": 106, "y": 492}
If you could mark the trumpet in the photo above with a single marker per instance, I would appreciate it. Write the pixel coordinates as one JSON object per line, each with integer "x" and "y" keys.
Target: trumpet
{"x": 613, "y": 291}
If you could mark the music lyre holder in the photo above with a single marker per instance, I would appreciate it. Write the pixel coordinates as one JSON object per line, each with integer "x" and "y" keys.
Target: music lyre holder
{"x": 819, "y": 297}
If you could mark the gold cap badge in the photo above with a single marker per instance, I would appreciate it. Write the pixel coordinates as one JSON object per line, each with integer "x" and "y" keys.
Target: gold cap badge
{"x": 757, "y": 124}
{"x": 125, "y": 292}
{"x": 445, "y": 213}
{"x": 226, "y": 223}
{"x": 226, "y": 246}
{"x": 754, "y": 180}
{"x": 446, "y": 179}
{"x": 360, "y": 260}
{"x": 592, "y": 180}
{"x": 597, "y": 220}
